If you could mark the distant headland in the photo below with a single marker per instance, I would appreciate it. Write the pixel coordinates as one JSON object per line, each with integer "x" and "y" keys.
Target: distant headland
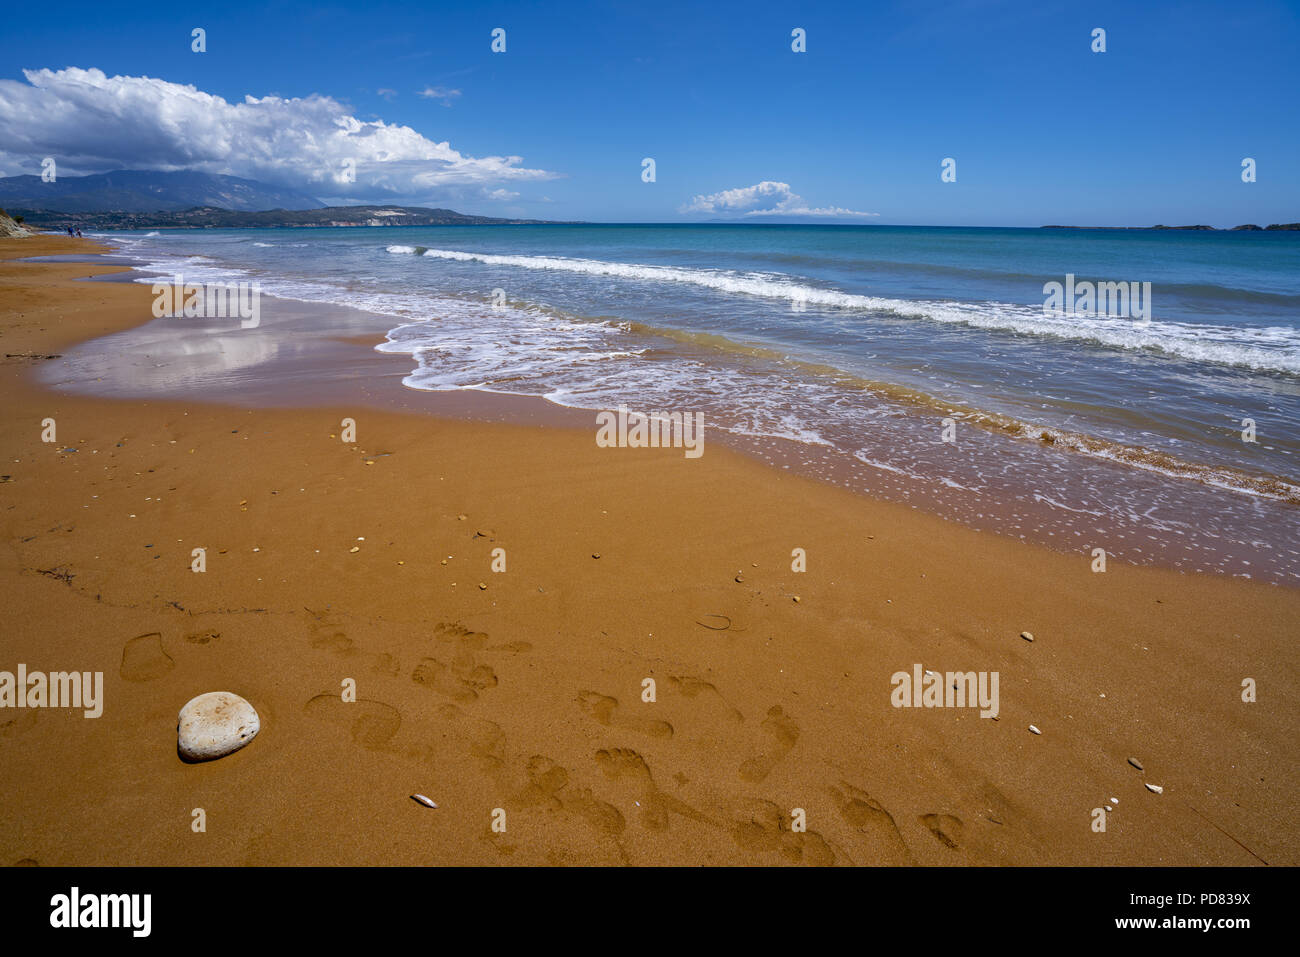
{"x": 1249, "y": 227}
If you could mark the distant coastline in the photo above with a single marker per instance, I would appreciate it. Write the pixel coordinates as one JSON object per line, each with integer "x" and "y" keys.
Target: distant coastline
{"x": 212, "y": 217}
{"x": 1248, "y": 227}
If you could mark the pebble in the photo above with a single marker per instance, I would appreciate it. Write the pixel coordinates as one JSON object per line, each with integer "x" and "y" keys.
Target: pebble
{"x": 595, "y": 554}
{"x": 1136, "y": 763}
{"x": 354, "y": 548}
{"x": 482, "y": 586}
{"x": 740, "y": 578}
{"x": 214, "y": 725}
{"x": 1035, "y": 730}
{"x": 1155, "y": 789}
{"x": 796, "y": 599}
{"x": 1027, "y": 636}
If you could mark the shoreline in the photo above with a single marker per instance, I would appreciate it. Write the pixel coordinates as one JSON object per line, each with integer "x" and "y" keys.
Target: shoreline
{"x": 300, "y": 356}
{"x": 525, "y": 695}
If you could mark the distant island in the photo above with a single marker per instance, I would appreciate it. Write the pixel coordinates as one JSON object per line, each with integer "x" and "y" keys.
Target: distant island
{"x": 1249, "y": 227}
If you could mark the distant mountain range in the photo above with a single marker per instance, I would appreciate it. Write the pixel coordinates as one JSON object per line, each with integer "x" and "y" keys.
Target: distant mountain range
{"x": 143, "y": 199}
{"x": 209, "y": 217}
{"x": 145, "y": 191}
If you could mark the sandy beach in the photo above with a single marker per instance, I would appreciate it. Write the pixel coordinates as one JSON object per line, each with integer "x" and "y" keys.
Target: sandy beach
{"x": 521, "y": 691}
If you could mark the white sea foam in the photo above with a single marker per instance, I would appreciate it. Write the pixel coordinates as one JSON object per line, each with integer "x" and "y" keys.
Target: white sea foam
{"x": 1272, "y": 348}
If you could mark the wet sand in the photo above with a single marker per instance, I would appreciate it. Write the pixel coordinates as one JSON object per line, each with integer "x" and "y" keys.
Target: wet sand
{"x": 526, "y": 695}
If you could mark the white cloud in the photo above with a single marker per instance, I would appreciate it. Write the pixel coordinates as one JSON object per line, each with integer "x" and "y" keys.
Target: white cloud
{"x": 439, "y": 93}
{"x": 90, "y": 122}
{"x": 763, "y": 199}
{"x": 386, "y": 93}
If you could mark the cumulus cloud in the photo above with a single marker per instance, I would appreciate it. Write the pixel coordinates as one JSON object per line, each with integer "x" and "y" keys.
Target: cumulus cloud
{"x": 439, "y": 93}
{"x": 763, "y": 199}
{"x": 90, "y": 122}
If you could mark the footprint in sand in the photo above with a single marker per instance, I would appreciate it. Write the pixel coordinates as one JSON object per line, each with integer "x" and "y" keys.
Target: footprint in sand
{"x": 143, "y": 658}
{"x": 463, "y": 677}
{"x": 451, "y": 680}
{"x": 628, "y": 767}
{"x": 335, "y": 641}
{"x": 698, "y": 688}
{"x": 784, "y": 734}
{"x": 482, "y": 739}
{"x": 548, "y": 787}
{"x": 326, "y": 636}
{"x": 545, "y": 781}
{"x": 19, "y": 723}
{"x": 450, "y": 631}
{"x": 605, "y": 710}
{"x": 370, "y": 723}
{"x": 514, "y": 647}
{"x": 944, "y": 827}
{"x": 767, "y": 829}
{"x": 874, "y": 826}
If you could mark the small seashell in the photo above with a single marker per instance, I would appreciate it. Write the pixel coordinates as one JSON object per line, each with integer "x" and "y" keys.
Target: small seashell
{"x": 1028, "y": 636}
{"x": 1114, "y": 800}
{"x": 482, "y": 586}
{"x": 354, "y": 548}
{"x": 421, "y": 799}
{"x": 1155, "y": 789}
{"x": 796, "y": 599}
{"x": 1034, "y": 730}
{"x": 1136, "y": 763}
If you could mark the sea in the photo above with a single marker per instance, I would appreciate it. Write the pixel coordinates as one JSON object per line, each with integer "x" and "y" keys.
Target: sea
{"x": 1155, "y": 422}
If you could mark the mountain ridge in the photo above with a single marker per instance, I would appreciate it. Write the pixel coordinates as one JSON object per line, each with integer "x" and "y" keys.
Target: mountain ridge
{"x": 148, "y": 191}
{"x": 211, "y": 217}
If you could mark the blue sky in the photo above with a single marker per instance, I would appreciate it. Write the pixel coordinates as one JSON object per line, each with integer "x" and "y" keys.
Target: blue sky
{"x": 1043, "y": 130}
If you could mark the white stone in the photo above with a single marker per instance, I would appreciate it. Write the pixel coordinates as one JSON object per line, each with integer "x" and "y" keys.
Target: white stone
{"x": 214, "y": 725}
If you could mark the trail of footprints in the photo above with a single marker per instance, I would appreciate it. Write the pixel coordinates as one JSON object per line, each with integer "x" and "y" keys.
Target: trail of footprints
{"x": 458, "y": 672}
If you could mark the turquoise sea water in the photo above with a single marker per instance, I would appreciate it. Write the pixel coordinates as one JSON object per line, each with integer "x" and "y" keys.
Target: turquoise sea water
{"x": 841, "y": 351}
